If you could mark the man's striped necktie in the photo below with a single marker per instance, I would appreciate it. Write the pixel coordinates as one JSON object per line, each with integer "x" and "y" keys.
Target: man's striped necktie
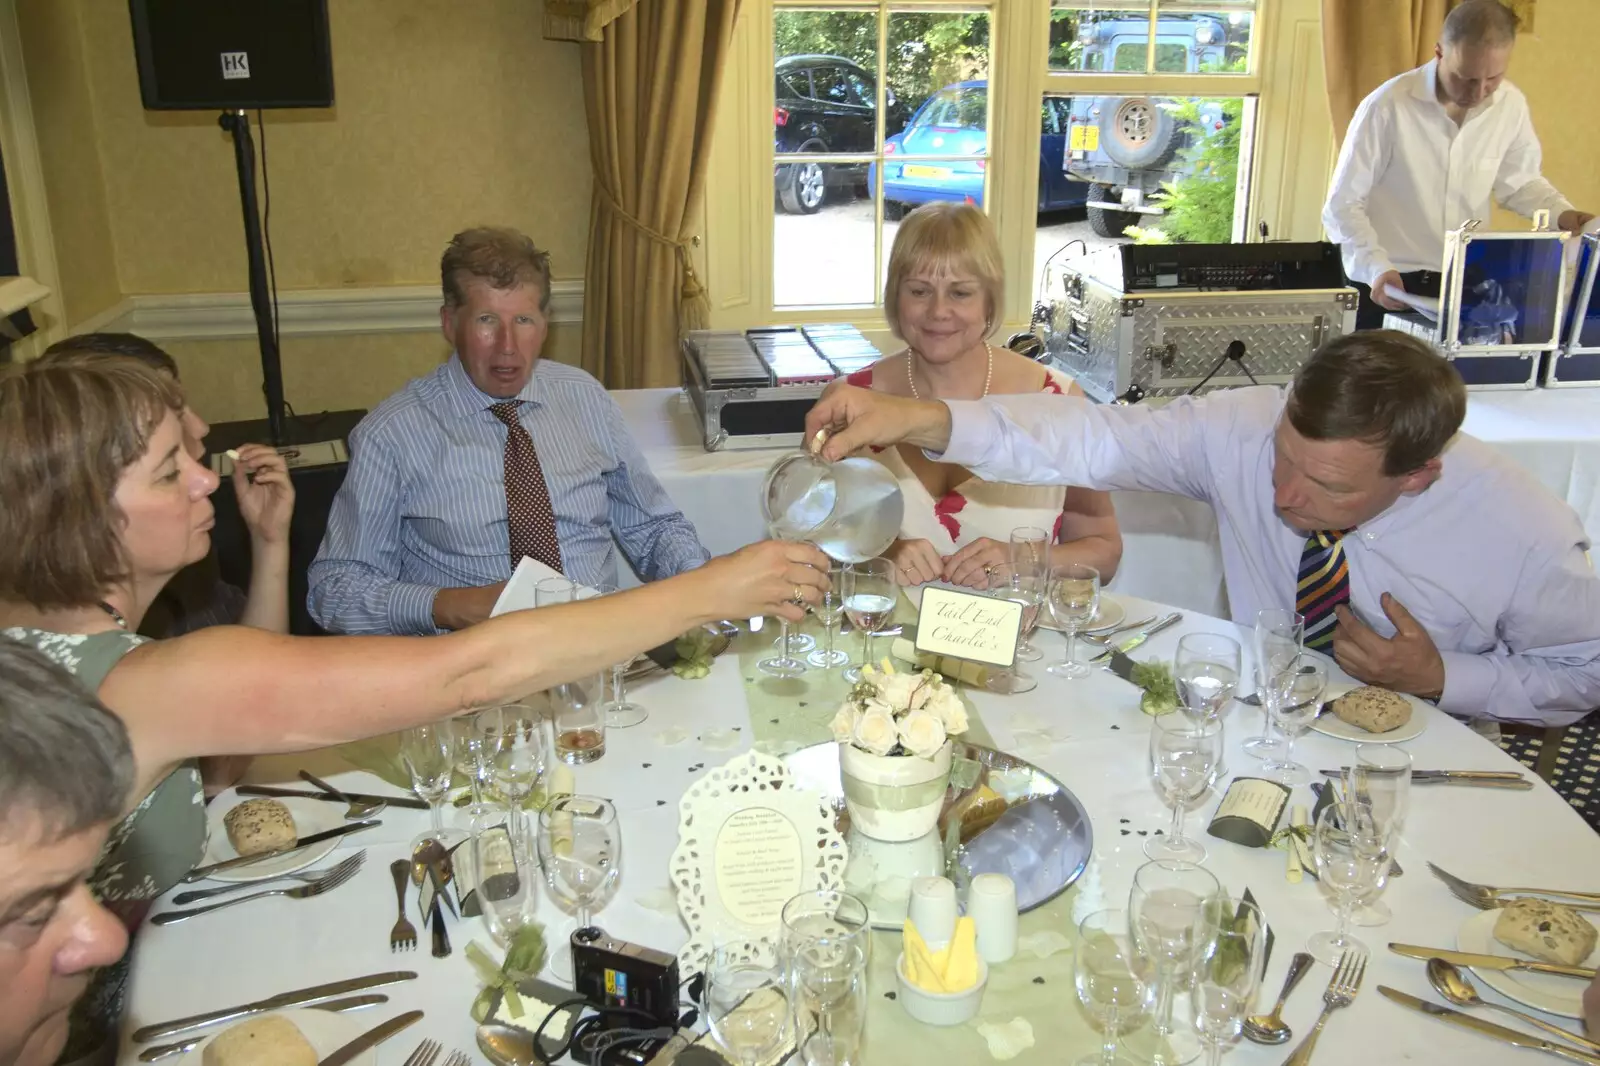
{"x": 1324, "y": 584}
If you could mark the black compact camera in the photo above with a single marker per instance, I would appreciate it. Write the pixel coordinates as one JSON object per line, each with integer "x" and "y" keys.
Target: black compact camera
{"x": 612, "y": 973}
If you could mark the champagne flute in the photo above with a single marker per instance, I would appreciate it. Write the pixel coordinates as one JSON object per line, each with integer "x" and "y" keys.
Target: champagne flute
{"x": 1229, "y": 976}
{"x": 1167, "y": 917}
{"x": 1352, "y": 859}
{"x": 428, "y": 753}
{"x": 1112, "y": 981}
{"x": 869, "y": 599}
{"x": 1029, "y": 550}
{"x": 580, "y": 852}
{"x": 504, "y": 874}
{"x": 1073, "y": 596}
{"x": 1279, "y": 638}
{"x": 826, "y": 945}
{"x": 747, "y": 1000}
{"x": 519, "y": 760}
{"x": 1380, "y": 783}
{"x": 830, "y": 612}
{"x": 1025, "y": 588}
{"x": 1184, "y": 756}
{"x": 474, "y": 739}
{"x": 1296, "y": 699}
{"x": 621, "y": 712}
{"x": 1206, "y": 669}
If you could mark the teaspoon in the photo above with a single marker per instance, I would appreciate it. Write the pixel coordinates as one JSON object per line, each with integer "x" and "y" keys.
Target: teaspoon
{"x": 1270, "y": 1028}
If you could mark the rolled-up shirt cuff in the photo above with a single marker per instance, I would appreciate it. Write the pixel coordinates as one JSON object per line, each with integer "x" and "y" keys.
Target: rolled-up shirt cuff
{"x": 411, "y": 610}
{"x": 969, "y": 430}
{"x": 1468, "y": 680}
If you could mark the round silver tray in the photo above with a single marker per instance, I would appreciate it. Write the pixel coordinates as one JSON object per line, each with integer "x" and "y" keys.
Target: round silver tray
{"x": 1041, "y": 839}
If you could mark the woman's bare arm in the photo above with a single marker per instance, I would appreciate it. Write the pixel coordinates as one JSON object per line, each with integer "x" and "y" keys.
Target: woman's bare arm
{"x": 1089, "y": 533}
{"x": 232, "y": 689}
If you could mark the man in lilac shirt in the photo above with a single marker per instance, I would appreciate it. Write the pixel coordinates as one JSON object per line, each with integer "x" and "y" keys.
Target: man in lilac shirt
{"x": 1469, "y": 583}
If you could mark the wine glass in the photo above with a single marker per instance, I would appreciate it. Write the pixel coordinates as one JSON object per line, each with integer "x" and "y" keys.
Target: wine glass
{"x": 1024, "y": 587}
{"x": 1113, "y": 982}
{"x": 519, "y": 758}
{"x": 1206, "y": 669}
{"x": 830, "y": 612}
{"x": 747, "y": 1000}
{"x": 428, "y": 753}
{"x": 1167, "y": 917}
{"x": 1380, "y": 782}
{"x": 620, "y": 712}
{"x": 504, "y": 873}
{"x": 1279, "y": 638}
{"x": 1352, "y": 858}
{"x": 1029, "y": 550}
{"x": 1296, "y": 699}
{"x": 869, "y": 597}
{"x": 1229, "y": 976}
{"x": 826, "y": 945}
{"x": 475, "y": 739}
{"x": 1184, "y": 756}
{"x": 1073, "y": 596}
{"x": 580, "y": 852}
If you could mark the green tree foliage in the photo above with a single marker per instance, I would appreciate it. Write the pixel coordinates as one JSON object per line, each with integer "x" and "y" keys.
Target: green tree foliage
{"x": 927, "y": 51}
{"x": 1199, "y": 205}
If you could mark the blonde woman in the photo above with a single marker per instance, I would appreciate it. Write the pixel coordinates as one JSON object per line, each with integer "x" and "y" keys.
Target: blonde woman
{"x": 943, "y": 298}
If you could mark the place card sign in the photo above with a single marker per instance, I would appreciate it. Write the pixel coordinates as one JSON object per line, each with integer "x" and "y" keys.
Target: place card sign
{"x": 969, "y": 626}
{"x": 1249, "y": 812}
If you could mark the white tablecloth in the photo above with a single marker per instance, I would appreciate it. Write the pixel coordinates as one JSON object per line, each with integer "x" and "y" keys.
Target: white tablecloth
{"x": 1170, "y": 547}
{"x": 273, "y": 945}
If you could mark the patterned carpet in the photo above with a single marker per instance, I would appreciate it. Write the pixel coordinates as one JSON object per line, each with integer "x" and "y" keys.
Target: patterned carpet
{"x": 1577, "y": 776}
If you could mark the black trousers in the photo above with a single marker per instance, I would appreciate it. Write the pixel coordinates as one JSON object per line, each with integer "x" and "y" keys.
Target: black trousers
{"x": 1369, "y": 315}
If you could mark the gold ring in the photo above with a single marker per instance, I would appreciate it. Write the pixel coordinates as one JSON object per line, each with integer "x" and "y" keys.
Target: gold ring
{"x": 988, "y": 571}
{"x": 818, "y": 441}
{"x": 799, "y": 596}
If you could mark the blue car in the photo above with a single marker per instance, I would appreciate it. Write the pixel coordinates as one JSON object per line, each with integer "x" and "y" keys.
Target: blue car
{"x": 952, "y": 122}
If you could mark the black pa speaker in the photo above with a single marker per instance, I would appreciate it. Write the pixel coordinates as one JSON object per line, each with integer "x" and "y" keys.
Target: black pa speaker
{"x": 223, "y": 54}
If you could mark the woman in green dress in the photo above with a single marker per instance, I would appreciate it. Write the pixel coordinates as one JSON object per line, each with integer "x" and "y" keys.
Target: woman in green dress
{"x": 103, "y": 505}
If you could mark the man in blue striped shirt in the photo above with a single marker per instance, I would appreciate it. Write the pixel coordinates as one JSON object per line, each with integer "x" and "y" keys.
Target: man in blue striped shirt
{"x": 418, "y": 541}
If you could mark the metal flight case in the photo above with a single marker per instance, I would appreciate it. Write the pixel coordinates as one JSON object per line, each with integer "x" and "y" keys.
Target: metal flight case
{"x": 1138, "y": 321}
{"x": 1577, "y": 361}
{"x": 753, "y": 389}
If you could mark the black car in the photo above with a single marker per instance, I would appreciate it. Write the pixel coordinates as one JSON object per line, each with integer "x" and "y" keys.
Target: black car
{"x": 823, "y": 104}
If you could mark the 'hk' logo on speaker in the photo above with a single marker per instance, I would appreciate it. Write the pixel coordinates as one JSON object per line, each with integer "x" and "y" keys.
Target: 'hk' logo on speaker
{"x": 235, "y": 65}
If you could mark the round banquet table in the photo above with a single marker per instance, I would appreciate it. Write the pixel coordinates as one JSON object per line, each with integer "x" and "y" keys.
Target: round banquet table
{"x": 1532, "y": 838}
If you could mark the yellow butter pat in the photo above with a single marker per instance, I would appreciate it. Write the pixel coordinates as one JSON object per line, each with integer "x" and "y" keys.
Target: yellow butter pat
{"x": 920, "y": 968}
{"x": 961, "y": 961}
{"x": 974, "y": 674}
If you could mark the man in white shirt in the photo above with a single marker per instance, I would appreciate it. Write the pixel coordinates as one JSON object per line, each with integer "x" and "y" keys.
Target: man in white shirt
{"x": 1423, "y": 559}
{"x": 1428, "y": 151}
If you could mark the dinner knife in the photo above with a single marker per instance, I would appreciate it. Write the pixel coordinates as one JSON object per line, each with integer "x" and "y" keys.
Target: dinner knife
{"x": 282, "y": 999}
{"x": 1490, "y": 962}
{"x": 1478, "y": 778}
{"x": 372, "y": 1038}
{"x": 1138, "y": 638}
{"x": 410, "y": 802}
{"x": 200, "y": 873}
{"x": 333, "y": 1006}
{"x": 1488, "y": 1029}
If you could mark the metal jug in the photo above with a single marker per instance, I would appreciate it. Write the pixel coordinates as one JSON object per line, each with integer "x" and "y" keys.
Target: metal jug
{"x": 850, "y": 509}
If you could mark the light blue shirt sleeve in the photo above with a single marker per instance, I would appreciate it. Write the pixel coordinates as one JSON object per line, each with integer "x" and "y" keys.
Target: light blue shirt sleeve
{"x": 653, "y": 532}
{"x": 353, "y": 587}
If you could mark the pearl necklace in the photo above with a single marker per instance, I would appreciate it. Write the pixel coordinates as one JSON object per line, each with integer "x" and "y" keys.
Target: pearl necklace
{"x": 988, "y": 377}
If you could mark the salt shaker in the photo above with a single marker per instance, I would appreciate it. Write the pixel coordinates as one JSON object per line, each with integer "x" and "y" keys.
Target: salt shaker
{"x": 992, "y": 903}
{"x": 933, "y": 910}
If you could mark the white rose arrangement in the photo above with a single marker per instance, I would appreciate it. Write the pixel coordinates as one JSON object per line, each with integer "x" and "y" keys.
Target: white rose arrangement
{"x": 892, "y": 713}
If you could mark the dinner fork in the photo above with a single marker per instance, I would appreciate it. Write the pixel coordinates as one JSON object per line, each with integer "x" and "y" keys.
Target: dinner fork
{"x": 426, "y": 1053}
{"x": 334, "y": 879}
{"x": 457, "y": 1058}
{"x": 183, "y": 899}
{"x": 1484, "y": 896}
{"x": 403, "y": 937}
{"x": 1342, "y": 989}
{"x": 1105, "y": 636}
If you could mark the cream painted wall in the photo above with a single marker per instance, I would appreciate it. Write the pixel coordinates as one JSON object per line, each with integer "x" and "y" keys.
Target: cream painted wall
{"x": 1555, "y": 67}
{"x": 447, "y": 114}
{"x": 67, "y": 133}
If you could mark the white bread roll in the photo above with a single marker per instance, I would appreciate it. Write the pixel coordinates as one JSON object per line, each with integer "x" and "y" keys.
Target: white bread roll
{"x": 270, "y": 1041}
{"x": 1547, "y": 931}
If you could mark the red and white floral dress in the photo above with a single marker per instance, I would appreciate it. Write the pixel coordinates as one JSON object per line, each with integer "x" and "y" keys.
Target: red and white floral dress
{"x": 974, "y": 508}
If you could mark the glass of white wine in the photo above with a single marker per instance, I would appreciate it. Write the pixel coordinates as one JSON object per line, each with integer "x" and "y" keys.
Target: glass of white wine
{"x": 1029, "y": 549}
{"x": 1073, "y": 596}
{"x": 1025, "y": 587}
{"x": 1206, "y": 669}
{"x": 869, "y": 599}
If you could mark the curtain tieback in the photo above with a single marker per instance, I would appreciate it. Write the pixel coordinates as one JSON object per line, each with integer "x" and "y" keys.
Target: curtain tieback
{"x": 691, "y": 289}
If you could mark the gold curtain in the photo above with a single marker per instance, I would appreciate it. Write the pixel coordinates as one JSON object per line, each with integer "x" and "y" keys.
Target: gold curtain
{"x": 648, "y": 88}
{"x": 1367, "y": 42}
